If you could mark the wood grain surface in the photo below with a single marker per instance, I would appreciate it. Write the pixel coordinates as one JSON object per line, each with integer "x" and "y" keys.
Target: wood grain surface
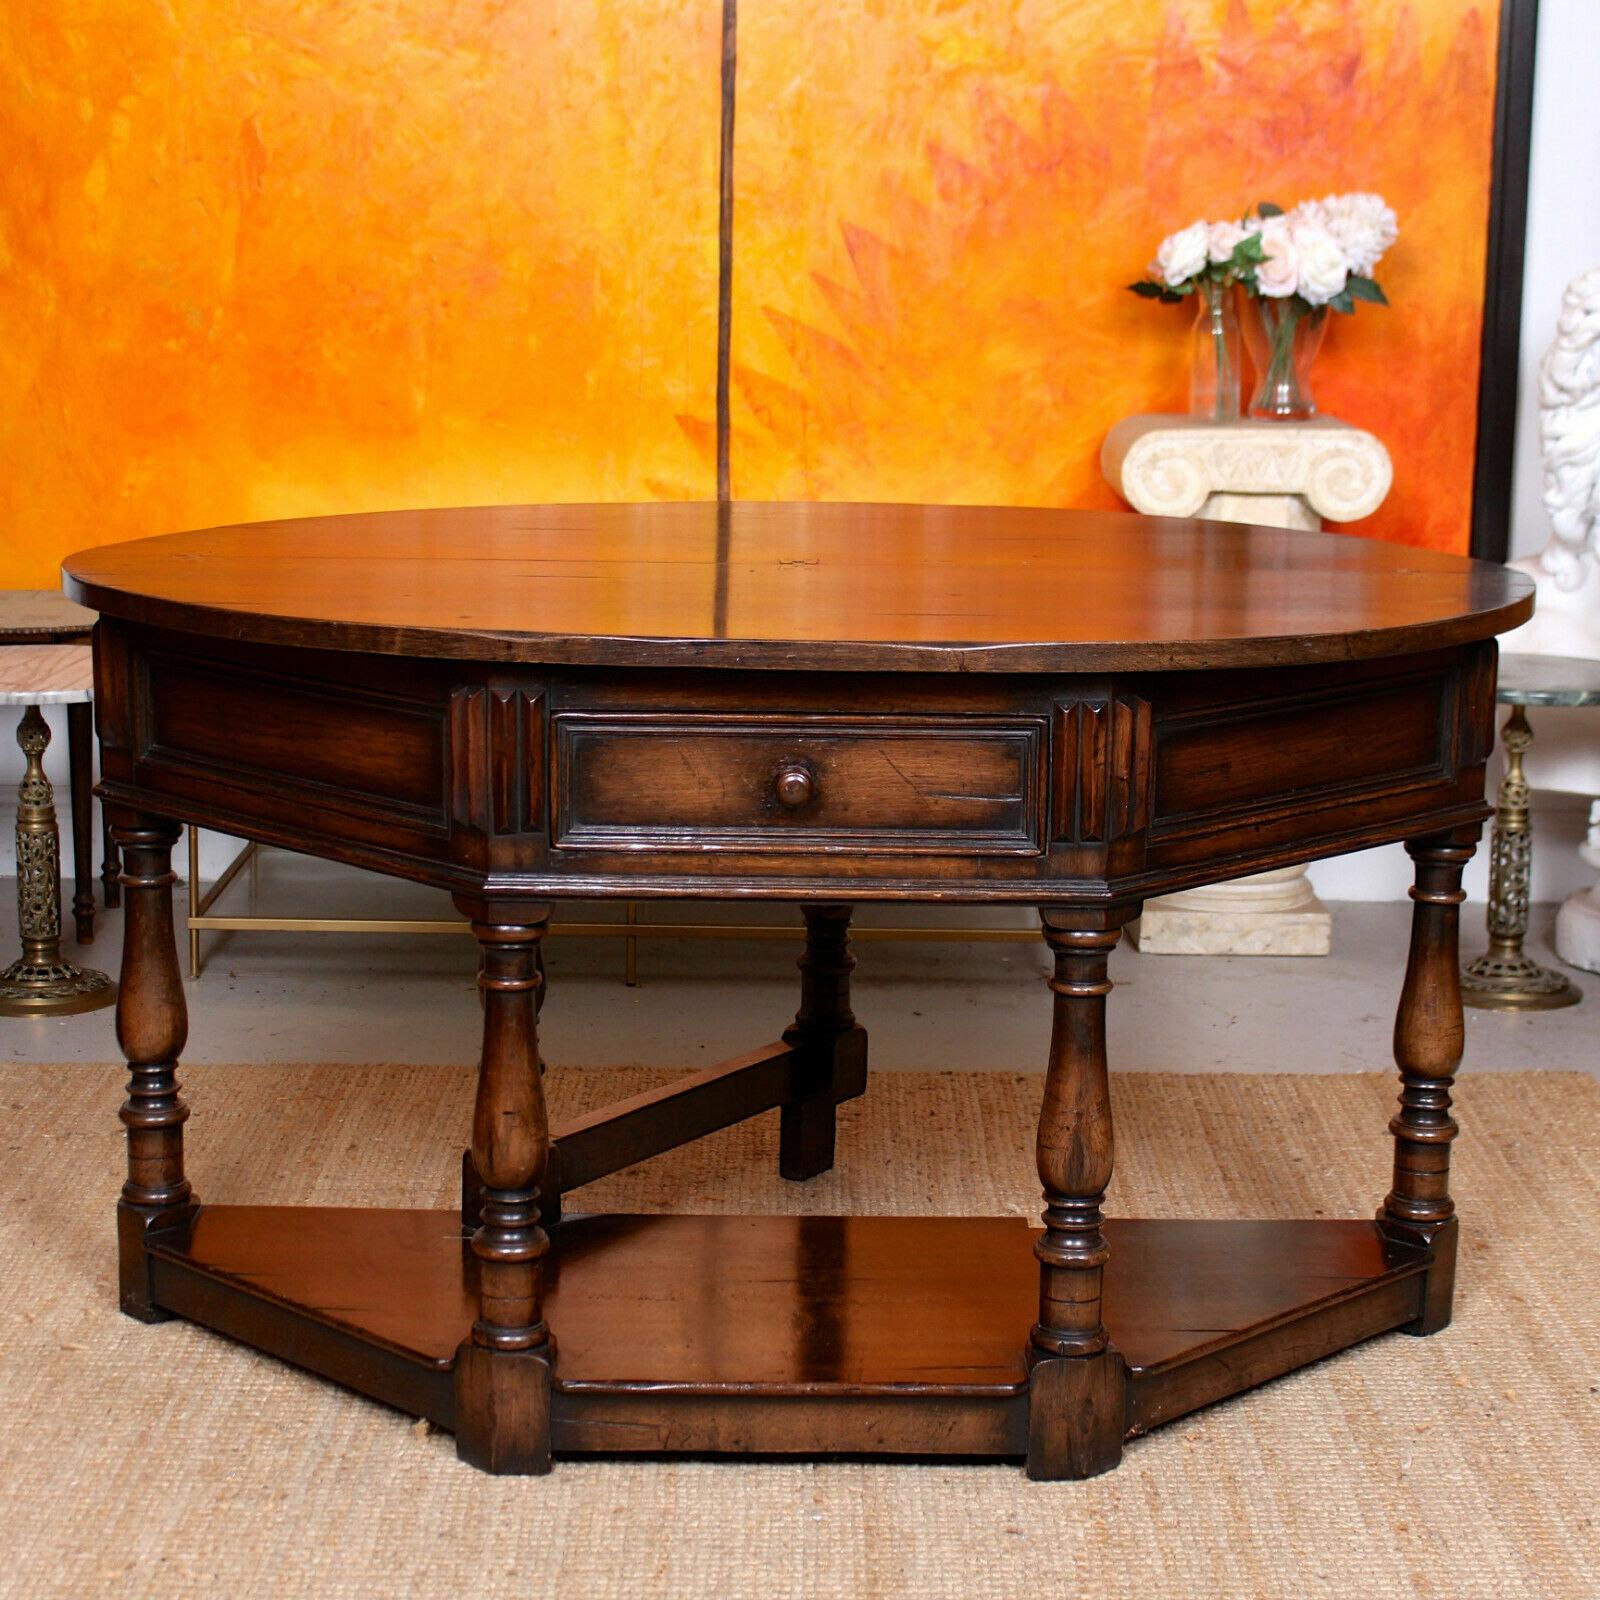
{"x": 791, "y": 1305}
{"x": 826, "y": 586}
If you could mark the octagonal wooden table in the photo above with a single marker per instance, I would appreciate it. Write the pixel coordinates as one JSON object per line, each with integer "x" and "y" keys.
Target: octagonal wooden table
{"x": 821, "y": 704}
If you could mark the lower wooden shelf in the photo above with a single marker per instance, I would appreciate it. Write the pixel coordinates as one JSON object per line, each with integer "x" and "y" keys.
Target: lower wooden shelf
{"x": 873, "y": 1335}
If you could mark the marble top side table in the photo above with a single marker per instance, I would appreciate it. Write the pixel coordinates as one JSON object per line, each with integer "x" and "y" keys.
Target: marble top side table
{"x": 1274, "y": 474}
{"x": 43, "y": 617}
{"x": 40, "y": 982}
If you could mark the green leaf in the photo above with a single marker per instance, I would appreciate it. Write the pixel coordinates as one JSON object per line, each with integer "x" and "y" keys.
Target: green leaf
{"x": 1266, "y": 209}
{"x": 1149, "y": 289}
{"x": 1365, "y": 289}
{"x": 1248, "y": 252}
{"x": 1342, "y": 302}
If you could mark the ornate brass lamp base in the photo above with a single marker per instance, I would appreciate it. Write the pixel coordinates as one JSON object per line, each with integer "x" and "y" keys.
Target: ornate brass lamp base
{"x": 29, "y": 989}
{"x": 1503, "y": 978}
{"x": 1511, "y": 981}
{"x": 41, "y": 983}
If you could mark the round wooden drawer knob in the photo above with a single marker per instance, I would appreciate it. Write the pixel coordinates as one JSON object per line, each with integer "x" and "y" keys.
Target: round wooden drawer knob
{"x": 794, "y": 786}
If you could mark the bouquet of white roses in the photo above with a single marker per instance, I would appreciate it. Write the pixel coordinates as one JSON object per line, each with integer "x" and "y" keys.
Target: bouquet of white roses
{"x": 1322, "y": 253}
{"x": 1296, "y": 265}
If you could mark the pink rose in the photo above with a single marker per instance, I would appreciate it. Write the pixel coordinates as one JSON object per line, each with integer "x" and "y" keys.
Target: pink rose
{"x": 1222, "y": 238}
{"x": 1278, "y": 276}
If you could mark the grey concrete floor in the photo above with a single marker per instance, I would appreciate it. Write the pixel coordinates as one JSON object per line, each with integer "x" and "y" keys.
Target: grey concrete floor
{"x": 274, "y": 997}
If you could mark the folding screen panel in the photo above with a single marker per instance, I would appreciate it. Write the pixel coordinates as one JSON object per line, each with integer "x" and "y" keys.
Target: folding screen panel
{"x": 266, "y": 257}
{"x": 938, "y": 205}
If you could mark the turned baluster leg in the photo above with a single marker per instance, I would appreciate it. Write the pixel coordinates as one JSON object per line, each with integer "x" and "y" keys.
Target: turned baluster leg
{"x": 833, "y": 1063}
{"x": 1428, "y": 1040}
{"x": 1076, "y": 1400}
{"x": 503, "y": 1367}
{"x": 152, "y": 1025}
{"x": 549, "y": 1190}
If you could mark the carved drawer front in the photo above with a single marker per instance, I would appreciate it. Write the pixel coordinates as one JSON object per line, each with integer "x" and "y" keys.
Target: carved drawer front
{"x": 923, "y": 784}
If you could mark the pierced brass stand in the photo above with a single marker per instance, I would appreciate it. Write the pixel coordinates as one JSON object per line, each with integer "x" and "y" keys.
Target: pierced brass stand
{"x": 41, "y": 983}
{"x": 1503, "y": 978}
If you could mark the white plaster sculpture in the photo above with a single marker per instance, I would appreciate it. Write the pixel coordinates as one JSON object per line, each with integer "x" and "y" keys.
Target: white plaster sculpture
{"x": 1280, "y": 475}
{"x": 1566, "y": 619}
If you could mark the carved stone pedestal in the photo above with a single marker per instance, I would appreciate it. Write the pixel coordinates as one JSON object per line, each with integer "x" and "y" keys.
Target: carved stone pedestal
{"x": 1267, "y": 914}
{"x": 1279, "y": 474}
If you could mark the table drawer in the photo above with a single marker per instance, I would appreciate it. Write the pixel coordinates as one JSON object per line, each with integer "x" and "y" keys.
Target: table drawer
{"x": 918, "y": 784}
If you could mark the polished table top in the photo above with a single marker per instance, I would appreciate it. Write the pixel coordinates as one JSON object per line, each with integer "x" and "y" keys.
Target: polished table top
{"x": 821, "y": 586}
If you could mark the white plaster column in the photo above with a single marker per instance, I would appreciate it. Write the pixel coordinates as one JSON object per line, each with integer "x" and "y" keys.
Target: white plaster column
{"x": 1281, "y": 475}
{"x": 1578, "y": 921}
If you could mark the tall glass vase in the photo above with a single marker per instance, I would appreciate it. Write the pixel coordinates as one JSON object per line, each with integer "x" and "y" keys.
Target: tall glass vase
{"x": 1214, "y": 355}
{"x": 1284, "y": 336}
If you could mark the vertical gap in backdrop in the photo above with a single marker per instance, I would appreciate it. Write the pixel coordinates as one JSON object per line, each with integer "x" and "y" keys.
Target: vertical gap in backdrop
{"x": 730, "y": 53}
{"x": 730, "y": 37}
{"x": 1500, "y": 358}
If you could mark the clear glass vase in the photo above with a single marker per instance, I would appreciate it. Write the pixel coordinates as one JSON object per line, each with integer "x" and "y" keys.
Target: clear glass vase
{"x": 1214, "y": 355}
{"x": 1284, "y": 336}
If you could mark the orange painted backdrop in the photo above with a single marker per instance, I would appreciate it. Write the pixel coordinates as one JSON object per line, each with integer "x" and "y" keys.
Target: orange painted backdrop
{"x": 274, "y": 257}
{"x": 270, "y": 257}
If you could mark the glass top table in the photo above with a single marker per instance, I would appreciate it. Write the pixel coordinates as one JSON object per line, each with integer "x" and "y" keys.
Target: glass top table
{"x": 1548, "y": 681}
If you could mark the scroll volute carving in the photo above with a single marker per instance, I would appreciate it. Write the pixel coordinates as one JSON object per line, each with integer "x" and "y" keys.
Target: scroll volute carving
{"x": 497, "y": 775}
{"x": 1101, "y": 780}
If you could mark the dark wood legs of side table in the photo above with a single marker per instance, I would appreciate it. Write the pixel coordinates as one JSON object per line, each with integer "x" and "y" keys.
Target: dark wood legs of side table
{"x": 80, "y": 758}
{"x": 80, "y": 763}
{"x": 152, "y": 1025}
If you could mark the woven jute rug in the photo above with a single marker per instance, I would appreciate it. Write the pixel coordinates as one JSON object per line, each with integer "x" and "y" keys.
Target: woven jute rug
{"x": 168, "y": 1462}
